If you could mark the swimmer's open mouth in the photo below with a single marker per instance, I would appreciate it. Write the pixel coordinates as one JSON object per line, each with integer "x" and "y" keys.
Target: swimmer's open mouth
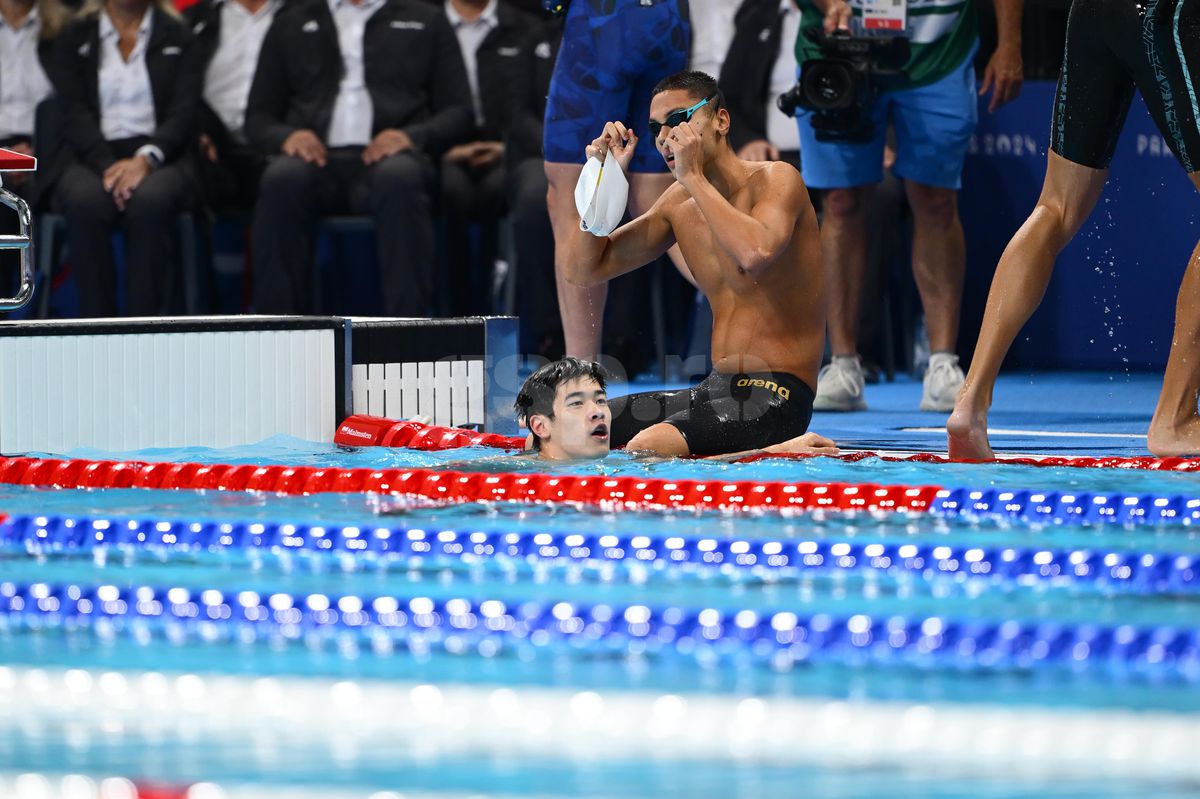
{"x": 600, "y": 432}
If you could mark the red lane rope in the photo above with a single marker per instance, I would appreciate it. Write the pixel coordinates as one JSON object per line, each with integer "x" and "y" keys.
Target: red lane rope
{"x": 622, "y": 492}
{"x": 365, "y": 431}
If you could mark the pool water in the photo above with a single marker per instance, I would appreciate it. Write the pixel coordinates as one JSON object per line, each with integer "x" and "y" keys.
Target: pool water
{"x": 313, "y": 704}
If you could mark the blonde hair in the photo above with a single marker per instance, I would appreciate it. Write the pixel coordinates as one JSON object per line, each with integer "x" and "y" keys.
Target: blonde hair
{"x": 93, "y": 7}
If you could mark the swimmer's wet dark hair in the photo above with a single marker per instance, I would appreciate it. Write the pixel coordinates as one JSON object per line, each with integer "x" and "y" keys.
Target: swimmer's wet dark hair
{"x": 699, "y": 85}
{"x": 536, "y": 397}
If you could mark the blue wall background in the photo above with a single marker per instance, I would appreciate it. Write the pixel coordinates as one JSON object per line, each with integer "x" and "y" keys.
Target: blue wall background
{"x": 1111, "y": 303}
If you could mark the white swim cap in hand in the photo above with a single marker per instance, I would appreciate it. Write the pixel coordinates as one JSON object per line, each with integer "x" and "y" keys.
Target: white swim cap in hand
{"x": 601, "y": 195}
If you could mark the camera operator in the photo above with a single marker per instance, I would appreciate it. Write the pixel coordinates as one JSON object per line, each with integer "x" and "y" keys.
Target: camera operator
{"x": 927, "y": 91}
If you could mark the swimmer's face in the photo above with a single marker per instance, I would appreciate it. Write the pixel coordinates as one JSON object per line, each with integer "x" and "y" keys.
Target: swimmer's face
{"x": 579, "y": 428}
{"x": 705, "y": 121}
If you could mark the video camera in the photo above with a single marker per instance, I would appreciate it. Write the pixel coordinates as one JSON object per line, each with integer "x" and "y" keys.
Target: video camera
{"x": 837, "y": 87}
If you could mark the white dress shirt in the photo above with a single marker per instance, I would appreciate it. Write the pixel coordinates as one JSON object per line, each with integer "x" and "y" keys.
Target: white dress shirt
{"x": 231, "y": 70}
{"x": 23, "y": 82}
{"x": 353, "y": 113}
{"x": 126, "y": 100}
{"x": 782, "y": 131}
{"x": 712, "y": 31}
{"x": 471, "y": 34}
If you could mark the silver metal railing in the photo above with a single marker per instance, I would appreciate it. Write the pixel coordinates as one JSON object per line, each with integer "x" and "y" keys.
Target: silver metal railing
{"x": 23, "y": 241}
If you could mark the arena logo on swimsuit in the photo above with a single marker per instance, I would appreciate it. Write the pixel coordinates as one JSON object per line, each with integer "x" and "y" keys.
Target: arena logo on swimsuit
{"x": 782, "y": 391}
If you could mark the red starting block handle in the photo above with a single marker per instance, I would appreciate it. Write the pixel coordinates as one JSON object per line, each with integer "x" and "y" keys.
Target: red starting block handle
{"x": 12, "y": 161}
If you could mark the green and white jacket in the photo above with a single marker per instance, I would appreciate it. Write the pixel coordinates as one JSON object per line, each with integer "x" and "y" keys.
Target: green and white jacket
{"x": 942, "y": 34}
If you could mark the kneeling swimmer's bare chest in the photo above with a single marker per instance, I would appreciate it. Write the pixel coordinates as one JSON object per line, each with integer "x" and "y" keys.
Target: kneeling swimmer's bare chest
{"x": 706, "y": 256}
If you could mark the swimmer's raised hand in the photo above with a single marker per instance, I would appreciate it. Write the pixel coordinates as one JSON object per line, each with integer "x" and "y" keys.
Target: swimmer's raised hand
{"x": 684, "y": 150}
{"x": 617, "y": 138}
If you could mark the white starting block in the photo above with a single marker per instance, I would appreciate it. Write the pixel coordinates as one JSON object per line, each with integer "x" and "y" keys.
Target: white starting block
{"x": 129, "y": 384}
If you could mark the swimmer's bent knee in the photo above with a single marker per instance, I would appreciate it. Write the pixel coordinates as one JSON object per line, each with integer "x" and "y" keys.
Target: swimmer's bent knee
{"x": 663, "y": 438}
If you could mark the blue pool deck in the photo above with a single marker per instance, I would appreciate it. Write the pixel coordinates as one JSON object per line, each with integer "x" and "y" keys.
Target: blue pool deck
{"x": 1055, "y": 413}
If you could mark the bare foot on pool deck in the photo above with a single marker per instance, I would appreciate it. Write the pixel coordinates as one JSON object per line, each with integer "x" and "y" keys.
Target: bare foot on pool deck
{"x": 966, "y": 437}
{"x": 1174, "y": 440}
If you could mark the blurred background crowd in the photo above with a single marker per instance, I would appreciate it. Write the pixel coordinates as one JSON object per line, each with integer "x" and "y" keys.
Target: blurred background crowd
{"x": 386, "y": 157}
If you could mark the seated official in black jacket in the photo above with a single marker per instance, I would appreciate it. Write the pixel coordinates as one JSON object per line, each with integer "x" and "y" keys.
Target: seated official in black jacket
{"x": 128, "y": 77}
{"x": 354, "y": 99}
{"x": 760, "y": 66}
{"x": 229, "y": 34}
{"x": 497, "y": 43}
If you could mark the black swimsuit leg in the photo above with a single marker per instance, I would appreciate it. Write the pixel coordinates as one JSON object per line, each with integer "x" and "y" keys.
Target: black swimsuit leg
{"x": 634, "y": 413}
{"x": 1113, "y": 45}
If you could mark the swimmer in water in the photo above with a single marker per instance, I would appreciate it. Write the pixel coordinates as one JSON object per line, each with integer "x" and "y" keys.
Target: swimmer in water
{"x": 1113, "y": 47}
{"x": 565, "y": 406}
{"x": 748, "y": 233}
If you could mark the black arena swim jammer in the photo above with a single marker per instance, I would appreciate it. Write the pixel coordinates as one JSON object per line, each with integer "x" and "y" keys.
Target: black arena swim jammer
{"x": 725, "y": 413}
{"x": 1113, "y": 47}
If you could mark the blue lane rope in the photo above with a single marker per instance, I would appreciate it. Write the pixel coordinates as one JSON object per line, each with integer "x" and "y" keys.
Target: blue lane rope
{"x": 1067, "y": 507}
{"x": 492, "y": 626}
{"x": 1132, "y": 571}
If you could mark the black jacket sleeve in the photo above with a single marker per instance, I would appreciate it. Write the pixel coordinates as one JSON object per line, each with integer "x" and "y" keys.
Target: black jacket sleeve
{"x": 179, "y": 91}
{"x": 266, "y": 110}
{"x": 451, "y": 118}
{"x": 527, "y": 97}
{"x": 746, "y": 73}
{"x": 48, "y": 144}
{"x": 75, "y": 58}
{"x": 202, "y": 19}
{"x": 211, "y": 125}
{"x": 513, "y": 74}
{"x": 525, "y": 135}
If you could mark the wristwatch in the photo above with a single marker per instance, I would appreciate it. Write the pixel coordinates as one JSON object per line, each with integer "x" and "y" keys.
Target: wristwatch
{"x": 153, "y": 155}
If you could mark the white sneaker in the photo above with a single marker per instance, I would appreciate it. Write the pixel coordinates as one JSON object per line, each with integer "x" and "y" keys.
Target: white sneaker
{"x": 840, "y": 386}
{"x": 943, "y": 379}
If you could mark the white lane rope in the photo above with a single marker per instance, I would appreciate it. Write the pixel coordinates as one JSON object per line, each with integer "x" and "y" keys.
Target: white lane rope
{"x": 34, "y": 785}
{"x": 368, "y": 719}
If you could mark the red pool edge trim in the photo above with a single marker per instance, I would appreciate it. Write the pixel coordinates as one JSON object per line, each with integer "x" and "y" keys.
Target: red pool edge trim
{"x": 361, "y": 430}
{"x": 155, "y": 790}
{"x": 1071, "y": 461}
{"x": 627, "y": 492}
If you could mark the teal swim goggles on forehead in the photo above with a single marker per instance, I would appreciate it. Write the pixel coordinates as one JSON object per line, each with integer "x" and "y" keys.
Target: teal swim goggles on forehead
{"x": 678, "y": 117}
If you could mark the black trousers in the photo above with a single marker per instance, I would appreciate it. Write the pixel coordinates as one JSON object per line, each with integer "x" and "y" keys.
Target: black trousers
{"x": 471, "y": 196}
{"x": 231, "y": 182}
{"x": 148, "y": 223}
{"x": 293, "y": 195}
{"x": 537, "y": 297}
